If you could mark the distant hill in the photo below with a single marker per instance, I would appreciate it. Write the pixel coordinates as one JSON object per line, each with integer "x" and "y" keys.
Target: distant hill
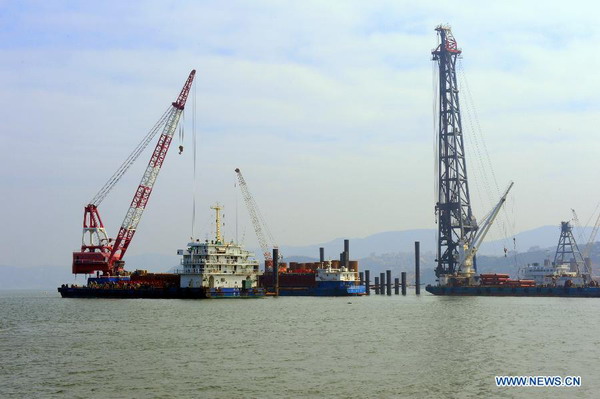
{"x": 391, "y": 241}
{"x": 49, "y": 277}
{"x": 38, "y": 277}
{"x": 511, "y": 263}
{"x": 153, "y": 262}
{"x": 403, "y": 241}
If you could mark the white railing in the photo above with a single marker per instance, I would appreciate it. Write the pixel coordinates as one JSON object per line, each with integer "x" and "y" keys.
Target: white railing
{"x": 190, "y": 270}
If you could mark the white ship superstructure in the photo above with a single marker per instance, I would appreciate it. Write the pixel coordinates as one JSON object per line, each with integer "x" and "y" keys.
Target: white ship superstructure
{"x": 548, "y": 274}
{"x": 218, "y": 265}
{"x": 330, "y": 274}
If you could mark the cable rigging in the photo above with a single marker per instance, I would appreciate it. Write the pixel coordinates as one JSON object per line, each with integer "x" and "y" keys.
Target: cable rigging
{"x": 484, "y": 172}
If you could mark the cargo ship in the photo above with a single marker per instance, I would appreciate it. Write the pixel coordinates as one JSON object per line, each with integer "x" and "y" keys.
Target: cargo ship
{"x": 328, "y": 278}
{"x": 208, "y": 269}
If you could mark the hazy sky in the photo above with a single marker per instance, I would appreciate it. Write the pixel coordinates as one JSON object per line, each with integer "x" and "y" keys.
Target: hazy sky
{"x": 327, "y": 107}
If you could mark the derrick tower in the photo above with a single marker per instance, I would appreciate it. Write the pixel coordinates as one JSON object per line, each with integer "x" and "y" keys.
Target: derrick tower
{"x": 567, "y": 250}
{"x": 456, "y": 222}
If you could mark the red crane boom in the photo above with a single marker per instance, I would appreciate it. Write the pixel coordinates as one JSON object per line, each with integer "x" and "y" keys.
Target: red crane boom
{"x": 101, "y": 253}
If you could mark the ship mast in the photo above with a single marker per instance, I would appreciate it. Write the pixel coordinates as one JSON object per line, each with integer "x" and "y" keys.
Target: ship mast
{"x": 218, "y": 208}
{"x": 456, "y": 222}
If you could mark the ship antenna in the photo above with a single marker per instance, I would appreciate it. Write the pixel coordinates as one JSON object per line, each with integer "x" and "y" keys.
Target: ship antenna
{"x": 236, "y": 210}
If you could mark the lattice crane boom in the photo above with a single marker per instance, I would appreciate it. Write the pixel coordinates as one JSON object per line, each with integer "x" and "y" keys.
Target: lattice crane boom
{"x": 468, "y": 250}
{"x": 587, "y": 250}
{"x": 258, "y": 222}
{"x": 590, "y": 243}
{"x": 456, "y": 222}
{"x": 100, "y": 253}
{"x": 578, "y": 226}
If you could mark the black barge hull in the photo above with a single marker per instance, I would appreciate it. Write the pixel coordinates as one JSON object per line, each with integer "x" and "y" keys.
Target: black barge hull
{"x": 571, "y": 292}
{"x": 156, "y": 293}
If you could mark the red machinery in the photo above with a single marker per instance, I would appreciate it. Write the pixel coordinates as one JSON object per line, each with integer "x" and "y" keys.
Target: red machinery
{"x": 100, "y": 253}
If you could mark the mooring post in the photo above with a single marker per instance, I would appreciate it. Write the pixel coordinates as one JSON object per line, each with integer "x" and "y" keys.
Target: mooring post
{"x": 382, "y": 283}
{"x": 361, "y": 278}
{"x": 376, "y": 285}
{"x": 347, "y": 253}
{"x": 388, "y": 281}
{"x": 417, "y": 268}
{"x": 396, "y": 286}
{"x": 276, "y": 270}
{"x": 403, "y": 275}
{"x": 368, "y": 281}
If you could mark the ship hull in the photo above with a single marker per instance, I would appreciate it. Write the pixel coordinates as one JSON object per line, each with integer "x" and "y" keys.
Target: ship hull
{"x": 573, "y": 292}
{"x": 324, "y": 288}
{"x": 159, "y": 293}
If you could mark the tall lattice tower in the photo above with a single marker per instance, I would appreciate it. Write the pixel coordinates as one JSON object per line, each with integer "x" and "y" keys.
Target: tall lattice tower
{"x": 455, "y": 218}
{"x": 567, "y": 251}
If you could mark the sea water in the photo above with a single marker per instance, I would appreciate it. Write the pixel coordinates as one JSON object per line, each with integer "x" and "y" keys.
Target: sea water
{"x": 294, "y": 347}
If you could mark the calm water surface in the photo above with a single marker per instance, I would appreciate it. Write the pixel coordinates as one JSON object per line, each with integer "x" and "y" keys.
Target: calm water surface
{"x": 371, "y": 347}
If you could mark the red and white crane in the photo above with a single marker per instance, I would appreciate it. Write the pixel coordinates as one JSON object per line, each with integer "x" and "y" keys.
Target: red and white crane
{"x": 98, "y": 251}
{"x": 260, "y": 226}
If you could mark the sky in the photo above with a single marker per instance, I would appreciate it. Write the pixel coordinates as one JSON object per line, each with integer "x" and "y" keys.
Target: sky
{"x": 326, "y": 107}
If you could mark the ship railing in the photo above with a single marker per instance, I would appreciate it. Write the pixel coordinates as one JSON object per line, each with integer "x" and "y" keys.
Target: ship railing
{"x": 200, "y": 270}
{"x": 190, "y": 270}
{"x": 228, "y": 263}
{"x": 190, "y": 261}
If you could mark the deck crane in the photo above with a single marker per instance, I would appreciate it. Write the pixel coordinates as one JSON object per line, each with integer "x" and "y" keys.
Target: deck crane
{"x": 99, "y": 253}
{"x": 260, "y": 226}
{"x": 468, "y": 249}
{"x": 587, "y": 251}
{"x": 578, "y": 225}
{"x": 587, "y": 265}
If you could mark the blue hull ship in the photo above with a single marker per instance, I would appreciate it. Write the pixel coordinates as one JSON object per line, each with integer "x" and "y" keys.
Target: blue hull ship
{"x": 319, "y": 279}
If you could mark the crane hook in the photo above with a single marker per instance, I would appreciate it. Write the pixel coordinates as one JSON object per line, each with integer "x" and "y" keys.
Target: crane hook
{"x": 180, "y": 149}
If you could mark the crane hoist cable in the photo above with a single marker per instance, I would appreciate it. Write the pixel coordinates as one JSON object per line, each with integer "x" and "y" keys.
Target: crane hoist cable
{"x": 486, "y": 169}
